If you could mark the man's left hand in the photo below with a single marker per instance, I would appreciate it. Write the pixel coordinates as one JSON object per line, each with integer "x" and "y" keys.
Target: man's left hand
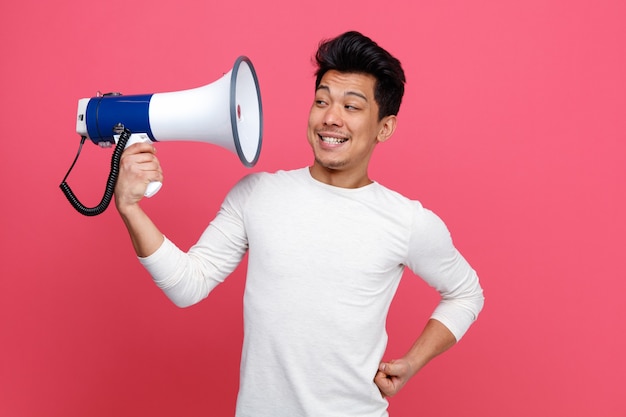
{"x": 392, "y": 376}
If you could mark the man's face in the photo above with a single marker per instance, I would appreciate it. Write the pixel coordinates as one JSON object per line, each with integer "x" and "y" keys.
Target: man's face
{"x": 343, "y": 125}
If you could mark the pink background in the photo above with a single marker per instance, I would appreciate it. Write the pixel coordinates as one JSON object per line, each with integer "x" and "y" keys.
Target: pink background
{"x": 513, "y": 130}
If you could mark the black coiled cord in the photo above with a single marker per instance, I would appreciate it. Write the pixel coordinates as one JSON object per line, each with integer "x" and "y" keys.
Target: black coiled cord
{"x": 111, "y": 181}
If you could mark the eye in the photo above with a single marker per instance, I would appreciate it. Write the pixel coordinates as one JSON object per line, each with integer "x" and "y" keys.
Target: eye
{"x": 350, "y": 107}
{"x": 319, "y": 102}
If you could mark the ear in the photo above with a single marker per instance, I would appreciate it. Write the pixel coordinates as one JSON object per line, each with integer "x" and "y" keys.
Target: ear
{"x": 387, "y": 127}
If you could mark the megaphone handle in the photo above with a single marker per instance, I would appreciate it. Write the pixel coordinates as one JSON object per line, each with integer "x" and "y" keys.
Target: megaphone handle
{"x": 154, "y": 186}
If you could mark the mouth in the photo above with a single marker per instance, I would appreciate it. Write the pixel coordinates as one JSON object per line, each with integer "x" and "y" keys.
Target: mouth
{"x": 330, "y": 140}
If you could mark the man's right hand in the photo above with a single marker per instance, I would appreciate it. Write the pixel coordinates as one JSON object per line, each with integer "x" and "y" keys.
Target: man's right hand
{"x": 138, "y": 167}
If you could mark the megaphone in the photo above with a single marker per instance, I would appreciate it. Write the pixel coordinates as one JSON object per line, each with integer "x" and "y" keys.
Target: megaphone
{"x": 227, "y": 113}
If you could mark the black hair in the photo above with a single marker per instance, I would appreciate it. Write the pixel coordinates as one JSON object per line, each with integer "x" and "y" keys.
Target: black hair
{"x": 353, "y": 52}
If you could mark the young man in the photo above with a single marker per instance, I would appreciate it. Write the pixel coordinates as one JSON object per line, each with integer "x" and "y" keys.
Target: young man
{"x": 327, "y": 248}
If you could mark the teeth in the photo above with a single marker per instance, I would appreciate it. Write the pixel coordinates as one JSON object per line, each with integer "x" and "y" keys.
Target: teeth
{"x": 332, "y": 140}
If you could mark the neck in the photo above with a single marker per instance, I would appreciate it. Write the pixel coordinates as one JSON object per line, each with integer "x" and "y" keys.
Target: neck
{"x": 338, "y": 178}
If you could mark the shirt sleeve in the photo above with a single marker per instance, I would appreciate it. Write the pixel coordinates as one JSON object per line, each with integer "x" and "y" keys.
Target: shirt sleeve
{"x": 433, "y": 257}
{"x": 188, "y": 277}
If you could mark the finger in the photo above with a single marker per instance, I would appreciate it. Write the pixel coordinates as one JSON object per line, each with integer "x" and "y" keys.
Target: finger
{"x": 392, "y": 368}
{"x": 386, "y": 367}
{"x": 140, "y": 147}
{"x": 133, "y": 156}
{"x": 141, "y": 162}
{"x": 381, "y": 375}
{"x": 384, "y": 384}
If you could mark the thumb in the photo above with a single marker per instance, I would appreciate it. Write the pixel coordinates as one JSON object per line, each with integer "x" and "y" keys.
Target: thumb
{"x": 388, "y": 368}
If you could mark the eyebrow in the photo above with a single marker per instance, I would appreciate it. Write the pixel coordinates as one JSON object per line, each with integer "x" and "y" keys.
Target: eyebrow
{"x": 348, "y": 93}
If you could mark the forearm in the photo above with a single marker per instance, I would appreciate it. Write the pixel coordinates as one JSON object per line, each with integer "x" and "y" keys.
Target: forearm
{"x": 138, "y": 167}
{"x": 433, "y": 341}
{"x": 147, "y": 239}
{"x": 144, "y": 235}
{"x": 394, "y": 374}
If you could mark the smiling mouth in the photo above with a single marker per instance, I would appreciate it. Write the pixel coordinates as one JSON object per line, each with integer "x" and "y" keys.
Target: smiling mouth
{"x": 332, "y": 140}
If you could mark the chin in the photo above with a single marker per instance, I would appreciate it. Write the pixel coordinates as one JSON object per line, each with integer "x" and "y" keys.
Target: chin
{"x": 330, "y": 165}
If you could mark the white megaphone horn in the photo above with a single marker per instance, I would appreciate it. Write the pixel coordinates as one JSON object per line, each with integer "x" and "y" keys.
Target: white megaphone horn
{"x": 227, "y": 113}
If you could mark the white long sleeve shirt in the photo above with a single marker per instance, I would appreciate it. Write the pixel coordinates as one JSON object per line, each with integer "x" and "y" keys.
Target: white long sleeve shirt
{"x": 324, "y": 264}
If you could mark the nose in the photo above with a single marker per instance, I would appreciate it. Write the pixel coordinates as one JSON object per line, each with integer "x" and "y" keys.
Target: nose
{"x": 332, "y": 116}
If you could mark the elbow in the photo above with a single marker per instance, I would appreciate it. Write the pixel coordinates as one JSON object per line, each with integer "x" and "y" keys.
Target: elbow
{"x": 475, "y": 304}
{"x": 480, "y": 303}
{"x": 183, "y": 299}
{"x": 474, "y": 299}
{"x": 182, "y": 304}
{"x": 184, "y": 294}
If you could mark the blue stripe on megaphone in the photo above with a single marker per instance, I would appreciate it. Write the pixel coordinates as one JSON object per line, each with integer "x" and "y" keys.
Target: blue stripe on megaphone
{"x": 105, "y": 112}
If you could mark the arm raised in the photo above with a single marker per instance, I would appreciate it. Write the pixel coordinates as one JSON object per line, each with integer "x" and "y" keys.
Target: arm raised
{"x": 138, "y": 167}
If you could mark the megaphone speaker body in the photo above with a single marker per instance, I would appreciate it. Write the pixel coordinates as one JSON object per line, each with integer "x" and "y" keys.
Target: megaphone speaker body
{"x": 227, "y": 113}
